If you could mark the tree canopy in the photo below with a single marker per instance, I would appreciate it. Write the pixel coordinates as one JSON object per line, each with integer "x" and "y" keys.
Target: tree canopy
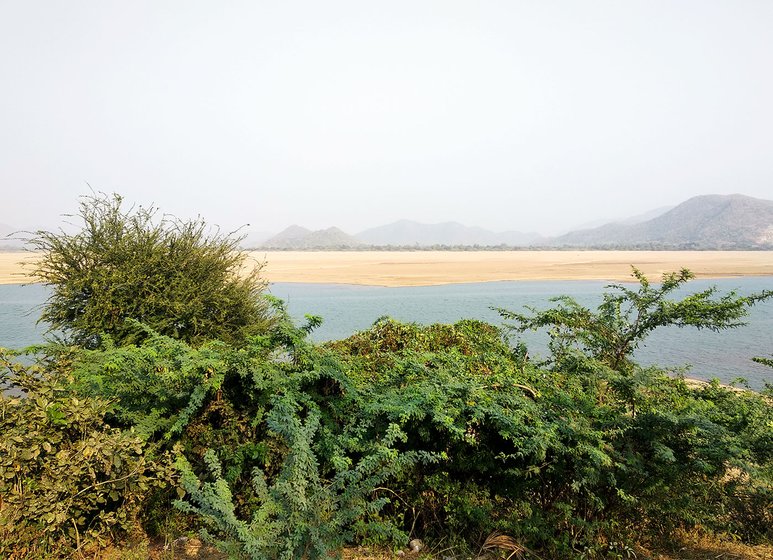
{"x": 627, "y": 316}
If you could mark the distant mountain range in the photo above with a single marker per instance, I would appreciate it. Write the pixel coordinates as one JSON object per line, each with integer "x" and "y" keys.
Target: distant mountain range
{"x": 403, "y": 233}
{"x": 703, "y": 222}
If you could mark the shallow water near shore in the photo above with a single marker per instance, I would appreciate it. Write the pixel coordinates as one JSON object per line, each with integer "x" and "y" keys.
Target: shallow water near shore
{"x": 346, "y": 309}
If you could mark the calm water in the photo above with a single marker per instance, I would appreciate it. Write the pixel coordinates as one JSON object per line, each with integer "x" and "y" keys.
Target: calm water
{"x": 19, "y": 312}
{"x": 347, "y": 309}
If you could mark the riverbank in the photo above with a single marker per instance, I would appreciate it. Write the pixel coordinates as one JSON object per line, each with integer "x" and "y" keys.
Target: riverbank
{"x": 427, "y": 268}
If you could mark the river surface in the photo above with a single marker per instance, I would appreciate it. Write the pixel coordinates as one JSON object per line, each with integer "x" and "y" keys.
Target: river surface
{"x": 346, "y": 309}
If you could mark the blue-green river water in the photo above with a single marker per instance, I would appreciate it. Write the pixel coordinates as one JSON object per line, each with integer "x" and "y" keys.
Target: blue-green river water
{"x": 346, "y": 309}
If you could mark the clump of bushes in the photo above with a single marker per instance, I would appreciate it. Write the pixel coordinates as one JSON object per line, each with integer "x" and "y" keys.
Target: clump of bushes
{"x": 275, "y": 447}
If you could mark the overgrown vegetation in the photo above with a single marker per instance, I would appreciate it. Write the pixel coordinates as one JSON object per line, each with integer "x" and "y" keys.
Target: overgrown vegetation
{"x": 274, "y": 447}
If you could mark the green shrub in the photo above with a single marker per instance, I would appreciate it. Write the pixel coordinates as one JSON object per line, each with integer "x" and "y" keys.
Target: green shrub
{"x": 627, "y": 316}
{"x": 308, "y": 510}
{"x": 67, "y": 480}
{"x": 566, "y": 460}
{"x": 170, "y": 275}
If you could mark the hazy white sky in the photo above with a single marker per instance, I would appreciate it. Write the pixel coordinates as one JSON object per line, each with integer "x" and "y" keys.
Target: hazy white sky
{"x": 509, "y": 115}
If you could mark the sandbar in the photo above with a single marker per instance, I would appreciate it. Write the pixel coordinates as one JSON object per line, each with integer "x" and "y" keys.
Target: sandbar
{"x": 426, "y": 268}
{"x": 15, "y": 267}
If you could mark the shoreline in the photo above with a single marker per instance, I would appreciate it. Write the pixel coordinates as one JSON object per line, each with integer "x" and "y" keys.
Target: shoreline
{"x": 433, "y": 268}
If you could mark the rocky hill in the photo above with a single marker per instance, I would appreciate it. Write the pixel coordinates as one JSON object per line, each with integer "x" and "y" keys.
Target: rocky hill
{"x": 703, "y": 222}
{"x": 297, "y": 237}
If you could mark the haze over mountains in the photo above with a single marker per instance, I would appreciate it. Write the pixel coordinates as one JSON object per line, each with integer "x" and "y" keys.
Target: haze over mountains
{"x": 702, "y": 222}
{"x": 403, "y": 233}
{"x": 6, "y": 238}
{"x": 406, "y": 232}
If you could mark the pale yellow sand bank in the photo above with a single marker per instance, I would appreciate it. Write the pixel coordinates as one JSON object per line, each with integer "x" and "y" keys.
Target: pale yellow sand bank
{"x": 11, "y": 269}
{"x": 424, "y": 268}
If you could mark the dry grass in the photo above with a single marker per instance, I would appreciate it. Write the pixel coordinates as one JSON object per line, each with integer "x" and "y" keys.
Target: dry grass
{"x": 366, "y": 553}
{"x": 502, "y": 545}
{"x": 685, "y": 547}
{"x": 695, "y": 546}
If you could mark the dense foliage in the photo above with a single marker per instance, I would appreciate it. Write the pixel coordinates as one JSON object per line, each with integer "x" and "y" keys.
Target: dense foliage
{"x": 67, "y": 478}
{"x": 287, "y": 449}
{"x": 274, "y": 447}
{"x": 171, "y": 275}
